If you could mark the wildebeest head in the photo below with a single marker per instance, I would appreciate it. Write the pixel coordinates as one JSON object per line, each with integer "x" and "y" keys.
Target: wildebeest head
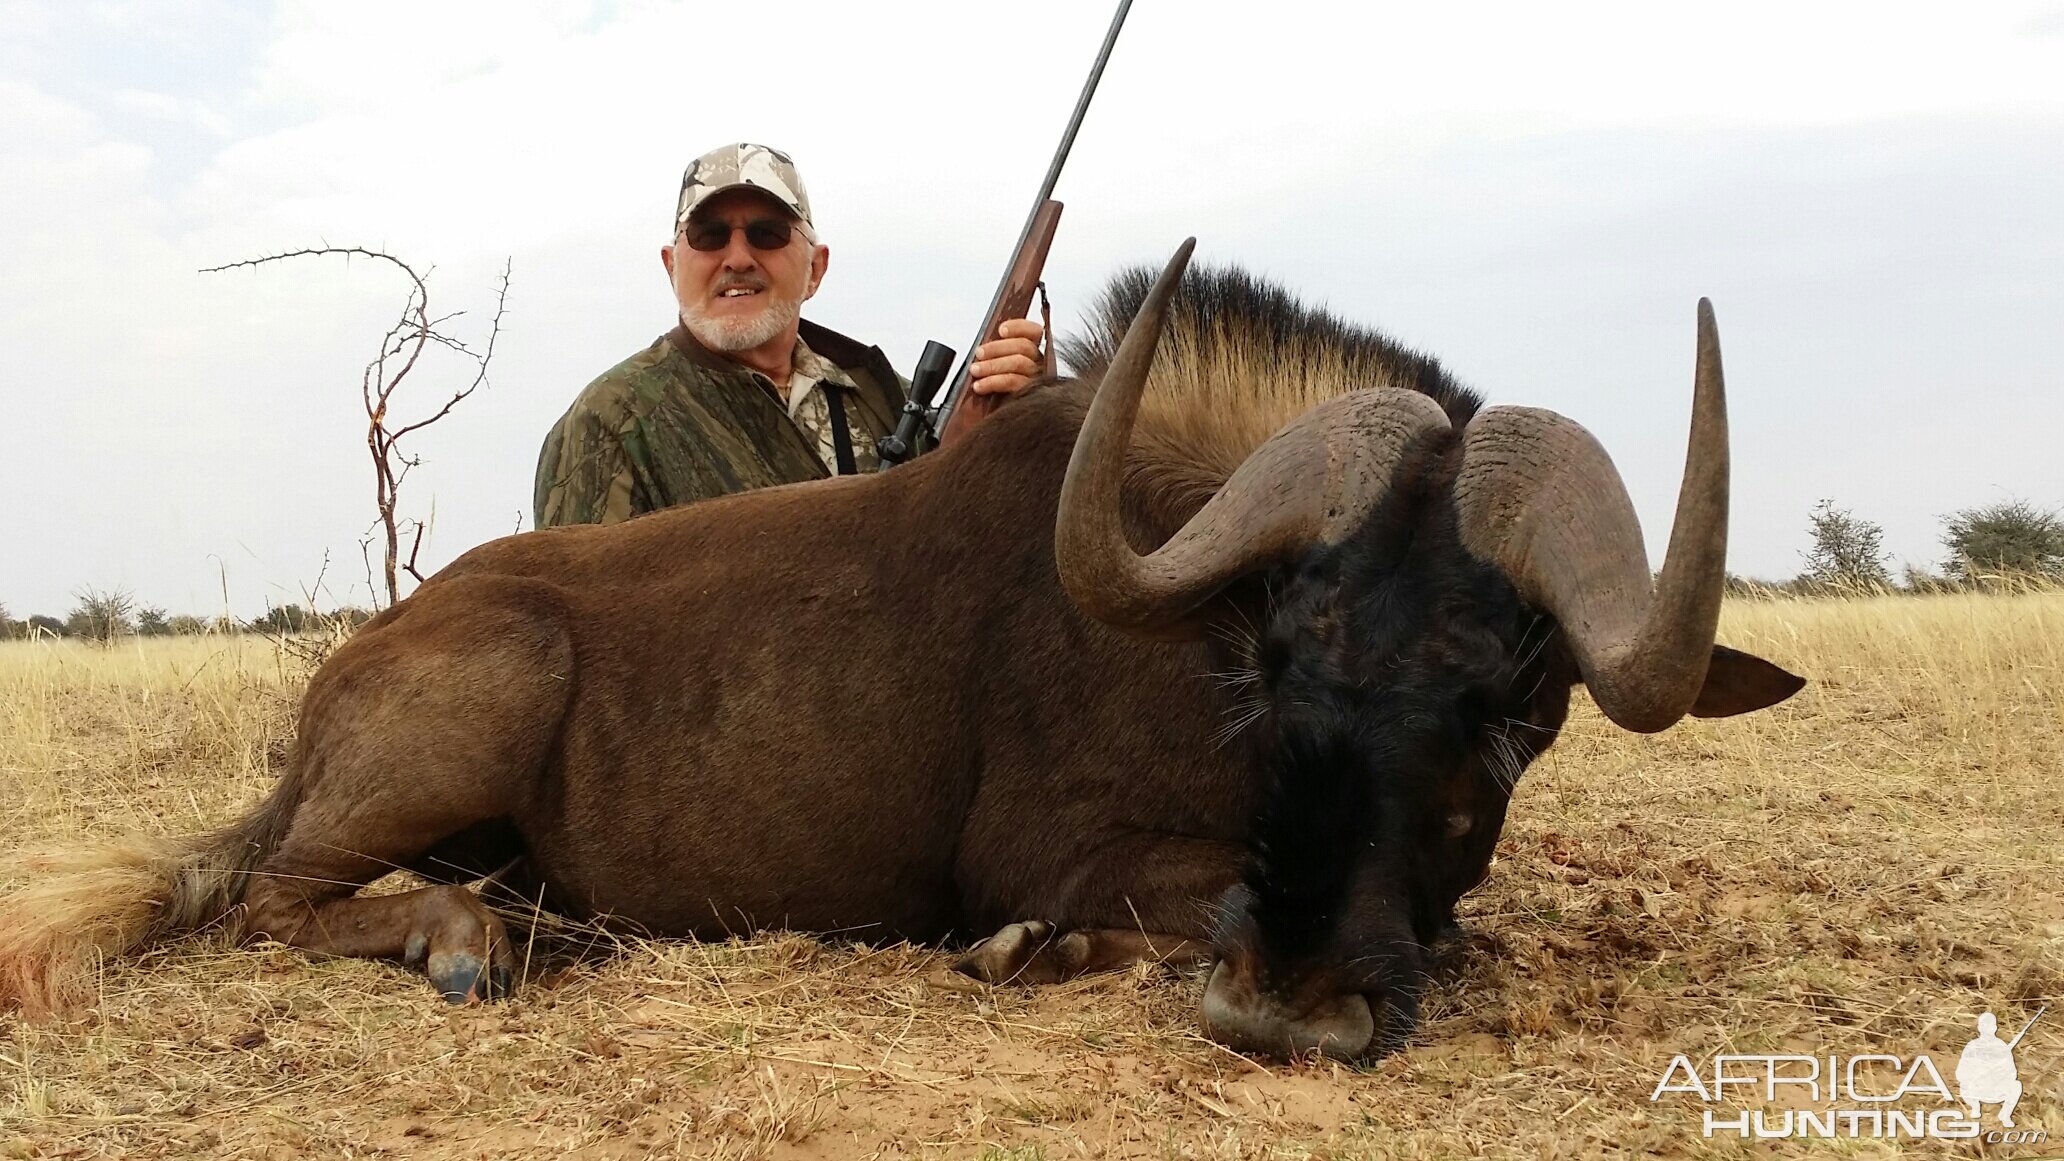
{"x": 1433, "y": 596}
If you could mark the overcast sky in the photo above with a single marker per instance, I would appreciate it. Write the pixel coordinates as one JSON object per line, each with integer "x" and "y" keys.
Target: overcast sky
{"x": 1871, "y": 194}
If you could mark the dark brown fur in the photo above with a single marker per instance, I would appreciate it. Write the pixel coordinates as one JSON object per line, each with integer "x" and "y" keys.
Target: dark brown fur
{"x": 722, "y": 717}
{"x": 861, "y": 705}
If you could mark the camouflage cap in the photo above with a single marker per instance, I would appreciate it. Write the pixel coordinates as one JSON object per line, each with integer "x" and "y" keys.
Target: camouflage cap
{"x": 742, "y": 164}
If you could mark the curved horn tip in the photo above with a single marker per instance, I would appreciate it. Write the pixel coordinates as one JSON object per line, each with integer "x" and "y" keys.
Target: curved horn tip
{"x": 1705, "y": 316}
{"x": 1180, "y": 259}
{"x": 1163, "y": 289}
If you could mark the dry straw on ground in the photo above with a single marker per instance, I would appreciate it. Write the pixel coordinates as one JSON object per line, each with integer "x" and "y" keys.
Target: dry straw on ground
{"x": 1861, "y": 870}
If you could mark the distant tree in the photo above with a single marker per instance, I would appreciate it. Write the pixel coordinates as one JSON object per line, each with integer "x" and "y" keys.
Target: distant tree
{"x": 1848, "y": 551}
{"x": 186, "y": 625}
{"x": 1749, "y": 588}
{"x": 283, "y": 619}
{"x": 9, "y": 627}
{"x": 101, "y": 615}
{"x": 351, "y": 616}
{"x": 225, "y": 624}
{"x": 1919, "y": 580}
{"x": 45, "y": 625}
{"x": 2008, "y": 541}
{"x": 151, "y": 622}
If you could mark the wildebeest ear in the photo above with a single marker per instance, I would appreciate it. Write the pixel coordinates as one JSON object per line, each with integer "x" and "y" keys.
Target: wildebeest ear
{"x": 1738, "y": 682}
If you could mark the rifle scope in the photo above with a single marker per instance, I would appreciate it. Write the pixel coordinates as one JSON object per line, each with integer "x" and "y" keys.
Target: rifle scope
{"x": 932, "y": 368}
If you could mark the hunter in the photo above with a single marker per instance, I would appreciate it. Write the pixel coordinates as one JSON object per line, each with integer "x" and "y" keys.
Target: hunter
{"x": 743, "y": 392}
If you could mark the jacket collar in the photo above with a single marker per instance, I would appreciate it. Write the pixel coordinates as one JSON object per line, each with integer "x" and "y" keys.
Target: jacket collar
{"x": 702, "y": 356}
{"x": 844, "y": 353}
{"x": 872, "y": 374}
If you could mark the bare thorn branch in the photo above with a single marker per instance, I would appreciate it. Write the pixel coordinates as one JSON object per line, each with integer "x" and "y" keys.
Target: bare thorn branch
{"x": 413, "y": 549}
{"x": 399, "y": 352}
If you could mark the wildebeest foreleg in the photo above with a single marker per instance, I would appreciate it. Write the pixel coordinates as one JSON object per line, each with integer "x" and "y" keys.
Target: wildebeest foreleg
{"x": 1028, "y": 953}
{"x": 1110, "y": 900}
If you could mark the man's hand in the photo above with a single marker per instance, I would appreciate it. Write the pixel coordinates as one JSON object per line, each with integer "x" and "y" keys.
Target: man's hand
{"x": 1003, "y": 366}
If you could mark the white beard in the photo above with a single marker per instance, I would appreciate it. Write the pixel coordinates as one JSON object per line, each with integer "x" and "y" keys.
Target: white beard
{"x": 743, "y": 334}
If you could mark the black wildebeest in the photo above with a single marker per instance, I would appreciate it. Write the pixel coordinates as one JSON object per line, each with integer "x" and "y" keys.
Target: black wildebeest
{"x": 989, "y": 691}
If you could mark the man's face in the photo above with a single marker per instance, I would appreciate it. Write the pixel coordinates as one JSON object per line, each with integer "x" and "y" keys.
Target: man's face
{"x": 738, "y": 297}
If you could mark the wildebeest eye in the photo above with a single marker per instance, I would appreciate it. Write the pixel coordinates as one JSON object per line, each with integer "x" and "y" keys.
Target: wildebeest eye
{"x": 1459, "y": 823}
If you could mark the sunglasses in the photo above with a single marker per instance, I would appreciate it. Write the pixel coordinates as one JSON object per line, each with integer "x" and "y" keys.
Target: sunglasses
{"x": 765, "y": 234}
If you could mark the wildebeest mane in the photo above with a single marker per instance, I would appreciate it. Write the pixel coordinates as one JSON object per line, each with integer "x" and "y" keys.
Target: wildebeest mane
{"x": 1241, "y": 357}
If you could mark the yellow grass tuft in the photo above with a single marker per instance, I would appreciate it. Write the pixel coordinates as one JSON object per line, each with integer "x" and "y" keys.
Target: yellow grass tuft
{"x": 103, "y": 834}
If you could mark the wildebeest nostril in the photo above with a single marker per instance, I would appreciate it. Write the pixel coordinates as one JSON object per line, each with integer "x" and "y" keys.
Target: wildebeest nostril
{"x": 1241, "y": 1018}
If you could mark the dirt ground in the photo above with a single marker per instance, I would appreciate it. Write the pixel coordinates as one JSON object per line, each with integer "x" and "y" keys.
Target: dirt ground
{"x": 1863, "y": 870}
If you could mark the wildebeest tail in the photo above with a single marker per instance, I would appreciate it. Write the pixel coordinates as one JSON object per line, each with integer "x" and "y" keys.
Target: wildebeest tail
{"x": 74, "y": 907}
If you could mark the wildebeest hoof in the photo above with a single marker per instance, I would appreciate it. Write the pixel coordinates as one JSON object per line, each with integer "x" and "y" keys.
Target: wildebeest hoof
{"x": 1026, "y": 953}
{"x": 461, "y": 978}
{"x": 999, "y": 958}
{"x": 457, "y": 974}
{"x": 460, "y": 945}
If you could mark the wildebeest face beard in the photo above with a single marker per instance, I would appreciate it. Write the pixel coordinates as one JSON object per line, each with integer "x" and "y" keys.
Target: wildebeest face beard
{"x": 1407, "y": 687}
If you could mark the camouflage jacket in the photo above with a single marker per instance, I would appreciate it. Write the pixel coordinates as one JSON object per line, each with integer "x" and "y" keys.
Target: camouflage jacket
{"x": 676, "y": 422}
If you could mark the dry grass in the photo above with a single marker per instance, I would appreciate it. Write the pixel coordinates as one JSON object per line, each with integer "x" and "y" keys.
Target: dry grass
{"x": 1860, "y": 870}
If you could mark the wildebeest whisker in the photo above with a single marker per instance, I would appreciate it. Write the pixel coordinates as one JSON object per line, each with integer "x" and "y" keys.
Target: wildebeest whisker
{"x": 1250, "y": 710}
{"x": 1532, "y": 654}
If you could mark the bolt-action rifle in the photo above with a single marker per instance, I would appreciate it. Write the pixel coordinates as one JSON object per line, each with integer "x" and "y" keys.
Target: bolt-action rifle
{"x": 2012, "y": 1044}
{"x": 950, "y": 414}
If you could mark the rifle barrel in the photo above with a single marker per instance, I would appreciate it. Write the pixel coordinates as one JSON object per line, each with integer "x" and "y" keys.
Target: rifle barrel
{"x": 944, "y": 407}
{"x": 2025, "y": 1027}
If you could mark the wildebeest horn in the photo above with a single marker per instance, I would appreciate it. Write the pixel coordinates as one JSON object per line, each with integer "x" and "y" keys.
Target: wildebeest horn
{"x": 1312, "y": 482}
{"x": 1538, "y": 497}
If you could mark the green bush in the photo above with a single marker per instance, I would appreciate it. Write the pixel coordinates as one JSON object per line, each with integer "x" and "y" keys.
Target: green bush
{"x": 1848, "y": 553}
{"x": 101, "y": 615}
{"x": 2005, "y": 543}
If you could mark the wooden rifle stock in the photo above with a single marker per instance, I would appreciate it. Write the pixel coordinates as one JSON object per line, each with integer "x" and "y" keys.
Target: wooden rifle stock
{"x": 1027, "y": 264}
{"x": 959, "y": 409}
